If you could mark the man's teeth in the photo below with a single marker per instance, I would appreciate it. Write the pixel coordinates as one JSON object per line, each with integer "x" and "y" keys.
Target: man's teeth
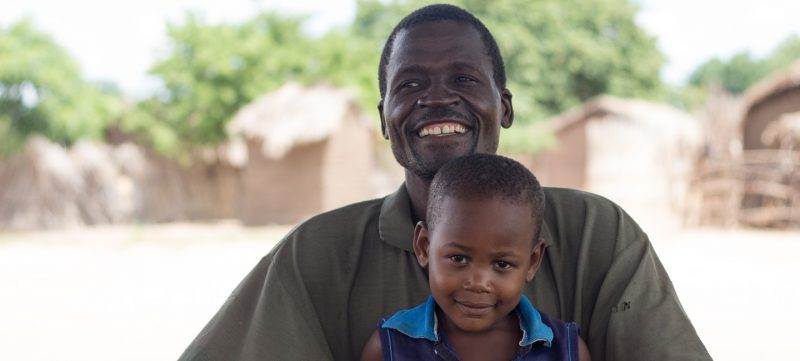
{"x": 441, "y": 129}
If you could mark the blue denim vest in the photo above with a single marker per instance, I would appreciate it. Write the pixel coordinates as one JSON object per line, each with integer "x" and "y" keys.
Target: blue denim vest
{"x": 412, "y": 334}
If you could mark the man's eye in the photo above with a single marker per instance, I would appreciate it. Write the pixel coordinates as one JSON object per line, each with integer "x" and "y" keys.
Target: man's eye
{"x": 465, "y": 79}
{"x": 458, "y": 259}
{"x": 409, "y": 84}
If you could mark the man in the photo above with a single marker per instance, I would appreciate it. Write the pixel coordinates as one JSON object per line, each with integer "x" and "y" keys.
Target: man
{"x": 320, "y": 292}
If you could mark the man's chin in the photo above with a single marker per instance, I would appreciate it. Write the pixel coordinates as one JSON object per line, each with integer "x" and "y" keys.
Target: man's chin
{"x": 427, "y": 169}
{"x": 424, "y": 165}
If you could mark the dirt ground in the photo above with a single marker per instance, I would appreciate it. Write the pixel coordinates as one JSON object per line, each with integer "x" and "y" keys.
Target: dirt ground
{"x": 144, "y": 292}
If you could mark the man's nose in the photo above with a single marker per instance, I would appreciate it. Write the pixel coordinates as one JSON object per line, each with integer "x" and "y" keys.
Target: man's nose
{"x": 438, "y": 95}
{"x": 479, "y": 281}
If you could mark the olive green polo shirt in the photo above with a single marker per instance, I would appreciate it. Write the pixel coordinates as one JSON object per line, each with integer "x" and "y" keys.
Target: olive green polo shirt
{"x": 319, "y": 294}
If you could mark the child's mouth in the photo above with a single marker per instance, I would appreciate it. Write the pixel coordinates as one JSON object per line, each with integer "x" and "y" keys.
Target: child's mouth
{"x": 474, "y": 309}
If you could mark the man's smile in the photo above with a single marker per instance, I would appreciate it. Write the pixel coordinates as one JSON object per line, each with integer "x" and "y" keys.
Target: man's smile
{"x": 442, "y": 129}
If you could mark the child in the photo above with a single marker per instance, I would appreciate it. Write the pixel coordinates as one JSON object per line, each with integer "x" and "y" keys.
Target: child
{"x": 479, "y": 245}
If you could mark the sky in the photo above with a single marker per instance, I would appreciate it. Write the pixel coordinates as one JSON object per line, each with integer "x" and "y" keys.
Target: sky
{"x": 119, "y": 40}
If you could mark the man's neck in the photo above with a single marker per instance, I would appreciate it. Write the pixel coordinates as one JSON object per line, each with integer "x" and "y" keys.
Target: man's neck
{"x": 418, "y": 192}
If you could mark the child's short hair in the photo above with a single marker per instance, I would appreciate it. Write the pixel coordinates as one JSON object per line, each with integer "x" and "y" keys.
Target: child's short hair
{"x": 479, "y": 176}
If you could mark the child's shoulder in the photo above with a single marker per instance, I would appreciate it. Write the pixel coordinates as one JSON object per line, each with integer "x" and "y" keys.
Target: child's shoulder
{"x": 416, "y": 322}
{"x": 409, "y": 334}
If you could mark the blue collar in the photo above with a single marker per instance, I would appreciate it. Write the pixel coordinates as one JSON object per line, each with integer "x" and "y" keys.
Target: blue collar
{"x": 420, "y": 322}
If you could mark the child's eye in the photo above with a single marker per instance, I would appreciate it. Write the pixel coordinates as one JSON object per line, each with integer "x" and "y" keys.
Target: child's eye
{"x": 457, "y": 258}
{"x": 503, "y": 265}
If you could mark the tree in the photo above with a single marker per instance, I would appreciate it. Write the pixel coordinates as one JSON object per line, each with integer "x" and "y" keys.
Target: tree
{"x": 211, "y": 71}
{"x": 735, "y": 74}
{"x": 786, "y": 53}
{"x": 42, "y": 91}
{"x": 742, "y": 70}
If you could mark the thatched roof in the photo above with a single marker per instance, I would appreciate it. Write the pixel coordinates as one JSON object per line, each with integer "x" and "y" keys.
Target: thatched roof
{"x": 293, "y": 115}
{"x": 39, "y": 188}
{"x": 647, "y": 113}
{"x": 48, "y": 186}
{"x": 776, "y": 83}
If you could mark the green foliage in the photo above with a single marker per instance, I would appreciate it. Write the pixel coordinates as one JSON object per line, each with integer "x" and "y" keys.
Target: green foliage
{"x": 346, "y": 60}
{"x": 742, "y": 70}
{"x": 212, "y": 71}
{"x": 786, "y": 53}
{"x": 735, "y": 74}
{"x": 42, "y": 91}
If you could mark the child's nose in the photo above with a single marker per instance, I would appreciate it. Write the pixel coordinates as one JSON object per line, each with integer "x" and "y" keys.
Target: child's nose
{"x": 478, "y": 281}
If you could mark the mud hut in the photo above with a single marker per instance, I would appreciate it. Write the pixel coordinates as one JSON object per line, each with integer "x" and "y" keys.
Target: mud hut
{"x": 302, "y": 150}
{"x": 39, "y": 188}
{"x": 636, "y": 153}
{"x": 767, "y": 102}
{"x": 770, "y": 164}
{"x": 48, "y": 186}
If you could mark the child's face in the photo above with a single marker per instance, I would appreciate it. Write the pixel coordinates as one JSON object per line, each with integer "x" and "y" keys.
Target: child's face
{"x": 479, "y": 256}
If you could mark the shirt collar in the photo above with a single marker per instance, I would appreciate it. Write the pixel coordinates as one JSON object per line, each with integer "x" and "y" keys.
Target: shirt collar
{"x": 396, "y": 227}
{"x": 530, "y": 322}
{"x": 421, "y": 322}
{"x": 417, "y": 322}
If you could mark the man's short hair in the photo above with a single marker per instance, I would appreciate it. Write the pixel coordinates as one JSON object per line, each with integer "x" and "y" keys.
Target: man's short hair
{"x": 485, "y": 176}
{"x": 443, "y": 12}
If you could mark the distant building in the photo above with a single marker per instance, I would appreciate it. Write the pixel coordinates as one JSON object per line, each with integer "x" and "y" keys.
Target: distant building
{"x": 638, "y": 154}
{"x": 292, "y": 154}
{"x": 301, "y": 150}
{"x": 48, "y": 186}
{"x": 770, "y": 164}
{"x": 772, "y": 100}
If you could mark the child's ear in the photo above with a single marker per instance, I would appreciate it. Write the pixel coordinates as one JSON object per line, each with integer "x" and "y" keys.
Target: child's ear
{"x": 536, "y": 259}
{"x": 421, "y": 244}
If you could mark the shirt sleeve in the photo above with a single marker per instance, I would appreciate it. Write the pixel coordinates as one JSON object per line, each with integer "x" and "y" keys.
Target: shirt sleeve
{"x": 269, "y": 316}
{"x": 637, "y": 308}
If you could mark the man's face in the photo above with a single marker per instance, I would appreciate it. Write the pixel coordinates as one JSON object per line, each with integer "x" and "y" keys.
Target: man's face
{"x": 479, "y": 255}
{"x": 441, "y": 100}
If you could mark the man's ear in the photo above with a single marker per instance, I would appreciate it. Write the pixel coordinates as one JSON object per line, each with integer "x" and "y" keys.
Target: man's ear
{"x": 508, "y": 109}
{"x": 536, "y": 259}
{"x": 421, "y": 244}
{"x": 383, "y": 121}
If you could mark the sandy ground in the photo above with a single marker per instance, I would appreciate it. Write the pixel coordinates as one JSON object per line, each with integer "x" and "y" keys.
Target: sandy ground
{"x": 143, "y": 293}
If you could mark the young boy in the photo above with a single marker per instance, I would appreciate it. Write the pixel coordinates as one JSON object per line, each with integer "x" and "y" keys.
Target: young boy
{"x": 480, "y": 245}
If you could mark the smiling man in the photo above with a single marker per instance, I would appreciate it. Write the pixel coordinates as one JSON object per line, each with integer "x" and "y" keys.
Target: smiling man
{"x": 444, "y": 96}
{"x": 320, "y": 292}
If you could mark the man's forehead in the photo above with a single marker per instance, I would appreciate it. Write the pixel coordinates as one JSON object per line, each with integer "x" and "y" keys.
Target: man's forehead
{"x": 439, "y": 31}
{"x": 439, "y": 41}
